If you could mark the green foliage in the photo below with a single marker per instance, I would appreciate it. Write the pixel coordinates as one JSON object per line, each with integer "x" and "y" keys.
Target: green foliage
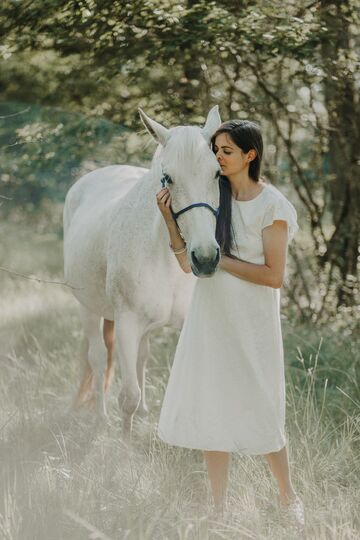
{"x": 326, "y": 361}
{"x": 292, "y": 66}
{"x": 43, "y": 150}
{"x": 91, "y": 48}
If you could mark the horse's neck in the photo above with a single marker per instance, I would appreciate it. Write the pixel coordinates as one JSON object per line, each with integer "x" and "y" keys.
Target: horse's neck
{"x": 146, "y": 205}
{"x": 159, "y": 232}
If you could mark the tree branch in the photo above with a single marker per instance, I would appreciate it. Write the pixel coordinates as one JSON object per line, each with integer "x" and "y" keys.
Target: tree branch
{"x": 39, "y": 280}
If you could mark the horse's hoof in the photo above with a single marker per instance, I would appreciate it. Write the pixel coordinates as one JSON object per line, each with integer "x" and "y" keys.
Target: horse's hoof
{"x": 142, "y": 412}
{"x": 102, "y": 418}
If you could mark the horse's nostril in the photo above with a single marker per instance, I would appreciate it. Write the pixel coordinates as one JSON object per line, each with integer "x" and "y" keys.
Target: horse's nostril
{"x": 194, "y": 258}
{"x": 217, "y": 258}
{"x": 205, "y": 262}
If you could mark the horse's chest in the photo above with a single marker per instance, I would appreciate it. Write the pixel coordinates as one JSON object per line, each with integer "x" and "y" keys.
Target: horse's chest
{"x": 152, "y": 287}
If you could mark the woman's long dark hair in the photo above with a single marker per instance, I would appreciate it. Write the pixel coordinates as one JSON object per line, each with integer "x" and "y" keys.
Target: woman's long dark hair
{"x": 247, "y": 136}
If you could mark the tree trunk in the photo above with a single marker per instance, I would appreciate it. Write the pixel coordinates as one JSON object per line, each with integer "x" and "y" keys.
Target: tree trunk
{"x": 343, "y": 137}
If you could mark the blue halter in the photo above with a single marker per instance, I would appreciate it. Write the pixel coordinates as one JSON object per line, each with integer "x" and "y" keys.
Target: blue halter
{"x": 167, "y": 179}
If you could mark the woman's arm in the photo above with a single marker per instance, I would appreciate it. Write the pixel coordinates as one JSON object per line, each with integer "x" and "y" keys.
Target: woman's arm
{"x": 176, "y": 240}
{"x": 271, "y": 274}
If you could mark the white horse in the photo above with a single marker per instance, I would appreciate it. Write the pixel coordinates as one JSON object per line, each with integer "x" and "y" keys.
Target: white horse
{"x": 117, "y": 255}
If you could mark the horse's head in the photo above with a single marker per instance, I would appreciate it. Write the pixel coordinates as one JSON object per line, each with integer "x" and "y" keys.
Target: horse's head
{"x": 189, "y": 167}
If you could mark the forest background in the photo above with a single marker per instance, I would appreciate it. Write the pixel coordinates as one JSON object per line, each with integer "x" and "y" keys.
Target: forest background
{"x": 72, "y": 76}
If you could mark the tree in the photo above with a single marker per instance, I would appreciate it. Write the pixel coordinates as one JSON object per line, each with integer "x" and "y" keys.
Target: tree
{"x": 292, "y": 67}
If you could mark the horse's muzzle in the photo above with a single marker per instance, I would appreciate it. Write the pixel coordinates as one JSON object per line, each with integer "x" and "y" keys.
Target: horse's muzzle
{"x": 204, "y": 266}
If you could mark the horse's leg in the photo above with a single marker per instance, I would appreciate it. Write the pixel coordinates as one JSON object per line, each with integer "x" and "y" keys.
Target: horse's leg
{"x": 109, "y": 335}
{"x": 97, "y": 358}
{"x": 128, "y": 332}
{"x": 143, "y": 355}
{"x": 86, "y": 385}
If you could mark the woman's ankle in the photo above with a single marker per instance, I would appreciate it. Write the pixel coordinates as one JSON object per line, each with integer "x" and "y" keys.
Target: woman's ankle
{"x": 287, "y": 497}
{"x": 219, "y": 509}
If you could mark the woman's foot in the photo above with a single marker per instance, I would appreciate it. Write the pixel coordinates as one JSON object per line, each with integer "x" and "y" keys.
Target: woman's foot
{"x": 219, "y": 509}
{"x": 292, "y": 513}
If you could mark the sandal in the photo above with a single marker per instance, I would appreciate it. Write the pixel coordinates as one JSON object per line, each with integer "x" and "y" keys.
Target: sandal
{"x": 293, "y": 514}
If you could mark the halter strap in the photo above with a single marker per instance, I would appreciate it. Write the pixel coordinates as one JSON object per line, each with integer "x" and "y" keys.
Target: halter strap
{"x": 194, "y": 205}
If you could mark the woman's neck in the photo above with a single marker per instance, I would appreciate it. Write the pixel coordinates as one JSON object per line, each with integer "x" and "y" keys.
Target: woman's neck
{"x": 242, "y": 186}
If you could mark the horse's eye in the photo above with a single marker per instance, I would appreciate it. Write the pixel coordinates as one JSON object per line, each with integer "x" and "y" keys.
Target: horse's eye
{"x": 217, "y": 174}
{"x": 166, "y": 179}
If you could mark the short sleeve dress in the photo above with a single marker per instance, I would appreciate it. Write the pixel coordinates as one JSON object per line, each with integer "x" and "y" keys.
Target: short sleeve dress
{"x": 226, "y": 389}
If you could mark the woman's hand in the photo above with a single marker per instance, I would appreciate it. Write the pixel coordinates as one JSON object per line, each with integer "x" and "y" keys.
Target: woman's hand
{"x": 163, "y": 198}
{"x": 176, "y": 240}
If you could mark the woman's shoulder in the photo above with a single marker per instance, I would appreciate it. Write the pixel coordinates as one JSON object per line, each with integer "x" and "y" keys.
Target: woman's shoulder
{"x": 274, "y": 197}
{"x": 272, "y": 193}
{"x": 277, "y": 206}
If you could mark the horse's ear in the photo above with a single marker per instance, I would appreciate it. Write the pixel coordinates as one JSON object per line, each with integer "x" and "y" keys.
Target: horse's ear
{"x": 212, "y": 123}
{"x": 156, "y": 130}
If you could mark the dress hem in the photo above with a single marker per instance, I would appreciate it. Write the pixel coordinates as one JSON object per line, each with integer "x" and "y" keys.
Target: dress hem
{"x": 222, "y": 449}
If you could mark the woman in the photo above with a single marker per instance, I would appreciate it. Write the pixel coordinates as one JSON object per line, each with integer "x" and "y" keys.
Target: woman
{"x": 226, "y": 390}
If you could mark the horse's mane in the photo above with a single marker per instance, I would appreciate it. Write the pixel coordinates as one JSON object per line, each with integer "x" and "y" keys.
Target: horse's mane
{"x": 156, "y": 162}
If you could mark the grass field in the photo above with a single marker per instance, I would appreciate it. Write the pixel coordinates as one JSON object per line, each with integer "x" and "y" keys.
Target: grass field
{"x": 64, "y": 478}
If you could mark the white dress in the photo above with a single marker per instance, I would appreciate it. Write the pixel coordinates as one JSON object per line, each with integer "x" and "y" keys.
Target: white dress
{"x": 226, "y": 389}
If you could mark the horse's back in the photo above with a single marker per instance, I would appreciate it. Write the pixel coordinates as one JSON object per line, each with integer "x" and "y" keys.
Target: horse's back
{"x": 94, "y": 192}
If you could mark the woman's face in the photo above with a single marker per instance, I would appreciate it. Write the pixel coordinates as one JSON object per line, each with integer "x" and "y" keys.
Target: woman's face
{"x": 231, "y": 158}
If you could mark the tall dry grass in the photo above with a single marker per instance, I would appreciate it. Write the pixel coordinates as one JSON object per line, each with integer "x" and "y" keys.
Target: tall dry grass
{"x": 63, "y": 477}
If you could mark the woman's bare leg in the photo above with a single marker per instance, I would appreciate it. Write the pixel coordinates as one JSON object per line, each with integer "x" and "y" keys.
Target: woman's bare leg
{"x": 279, "y": 465}
{"x": 218, "y": 466}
